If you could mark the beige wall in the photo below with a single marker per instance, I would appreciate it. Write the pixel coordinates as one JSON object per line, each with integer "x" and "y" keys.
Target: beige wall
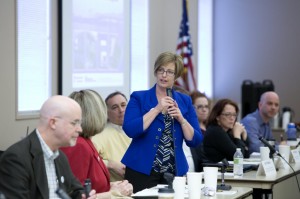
{"x": 164, "y": 27}
{"x": 13, "y": 130}
{"x": 257, "y": 40}
{"x": 253, "y": 39}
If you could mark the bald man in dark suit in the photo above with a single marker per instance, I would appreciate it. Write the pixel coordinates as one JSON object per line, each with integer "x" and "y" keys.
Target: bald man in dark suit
{"x": 34, "y": 167}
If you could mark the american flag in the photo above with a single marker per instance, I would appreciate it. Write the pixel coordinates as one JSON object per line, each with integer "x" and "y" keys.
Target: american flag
{"x": 184, "y": 48}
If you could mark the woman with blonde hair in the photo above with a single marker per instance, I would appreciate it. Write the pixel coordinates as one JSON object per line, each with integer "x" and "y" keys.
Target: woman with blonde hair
{"x": 84, "y": 159}
{"x": 158, "y": 120}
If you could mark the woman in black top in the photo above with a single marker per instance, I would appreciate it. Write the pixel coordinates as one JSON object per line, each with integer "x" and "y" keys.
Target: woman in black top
{"x": 224, "y": 134}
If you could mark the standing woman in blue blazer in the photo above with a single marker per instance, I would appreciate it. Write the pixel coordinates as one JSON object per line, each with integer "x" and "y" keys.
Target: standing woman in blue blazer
{"x": 158, "y": 124}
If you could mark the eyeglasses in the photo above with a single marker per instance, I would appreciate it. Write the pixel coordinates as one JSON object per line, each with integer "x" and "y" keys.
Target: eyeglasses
{"x": 201, "y": 107}
{"x": 229, "y": 115}
{"x": 168, "y": 72}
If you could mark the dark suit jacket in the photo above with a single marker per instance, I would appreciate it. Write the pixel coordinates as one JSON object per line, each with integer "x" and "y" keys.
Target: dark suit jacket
{"x": 23, "y": 173}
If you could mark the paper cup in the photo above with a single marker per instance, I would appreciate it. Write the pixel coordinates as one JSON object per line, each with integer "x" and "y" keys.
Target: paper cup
{"x": 284, "y": 150}
{"x": 179, "y": 187}
{"x": 211, "y": 178}
{"x": 194, "y": 180}
{"x": 264, "y": 153}
{"x": 292, "y": 144}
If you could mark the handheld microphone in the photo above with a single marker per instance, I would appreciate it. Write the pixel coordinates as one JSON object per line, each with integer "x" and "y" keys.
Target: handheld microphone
{"x": 62, "y": 194}
{"x": 169, "y": 92}
{"x": 272, "y": 150}
{"x": 87, "y": 187}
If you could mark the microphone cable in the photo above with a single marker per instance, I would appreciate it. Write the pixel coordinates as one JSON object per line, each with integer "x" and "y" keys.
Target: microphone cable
{"x": 272, "y": 151}
{"x": 278, "y": 154}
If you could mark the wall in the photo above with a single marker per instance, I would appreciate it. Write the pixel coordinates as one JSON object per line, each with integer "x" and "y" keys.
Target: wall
{"x": 13, "y": 130}
{"x": 164, "y": 28}
{"x": 257, "y": 40}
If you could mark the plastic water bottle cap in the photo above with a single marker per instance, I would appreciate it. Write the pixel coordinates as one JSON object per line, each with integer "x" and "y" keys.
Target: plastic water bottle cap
{"x": 291, "y": 125}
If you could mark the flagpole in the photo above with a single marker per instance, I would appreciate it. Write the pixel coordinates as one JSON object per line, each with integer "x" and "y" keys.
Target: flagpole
{"x": 184, "y": 48}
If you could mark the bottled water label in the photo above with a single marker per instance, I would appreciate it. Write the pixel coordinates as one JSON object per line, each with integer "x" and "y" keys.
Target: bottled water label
{"x": 238, "y": 167}
{"x": 238, "y": 160}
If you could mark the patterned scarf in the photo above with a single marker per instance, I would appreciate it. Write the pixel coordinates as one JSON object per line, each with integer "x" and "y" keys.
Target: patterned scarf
{"x": 165, "y": 158}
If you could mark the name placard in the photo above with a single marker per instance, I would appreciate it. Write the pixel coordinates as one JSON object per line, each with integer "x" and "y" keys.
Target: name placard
{"x": 282, "y": 164}
{"x": 295, "y": 155}
{"x": 266, "y": 168}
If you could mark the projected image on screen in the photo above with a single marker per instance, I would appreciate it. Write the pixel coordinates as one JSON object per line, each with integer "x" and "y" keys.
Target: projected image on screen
{"x": 95, "y": 45}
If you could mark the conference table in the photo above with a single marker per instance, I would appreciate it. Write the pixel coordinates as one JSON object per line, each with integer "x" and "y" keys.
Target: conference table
{"x": 240, "y": 193}
{"x": 234, "y": 193}
{"x": 282, "y": 185}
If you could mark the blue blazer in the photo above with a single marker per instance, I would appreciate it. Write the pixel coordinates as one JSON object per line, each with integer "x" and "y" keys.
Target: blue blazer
{"x": 142, "y": 150}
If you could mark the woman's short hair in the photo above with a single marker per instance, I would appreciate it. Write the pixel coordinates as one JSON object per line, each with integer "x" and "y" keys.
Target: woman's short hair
{"x": 169, "y": 57}
{"x": 94, "y": 111}
{"x": 218, "y": 109}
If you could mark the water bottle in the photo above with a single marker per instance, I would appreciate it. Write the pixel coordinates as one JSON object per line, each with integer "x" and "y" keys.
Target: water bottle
{"x": 238, "y": 159}
{"x": 275, "y": 121}
{"x": 291, "y": 132}
{"x": 286, "y": 117}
